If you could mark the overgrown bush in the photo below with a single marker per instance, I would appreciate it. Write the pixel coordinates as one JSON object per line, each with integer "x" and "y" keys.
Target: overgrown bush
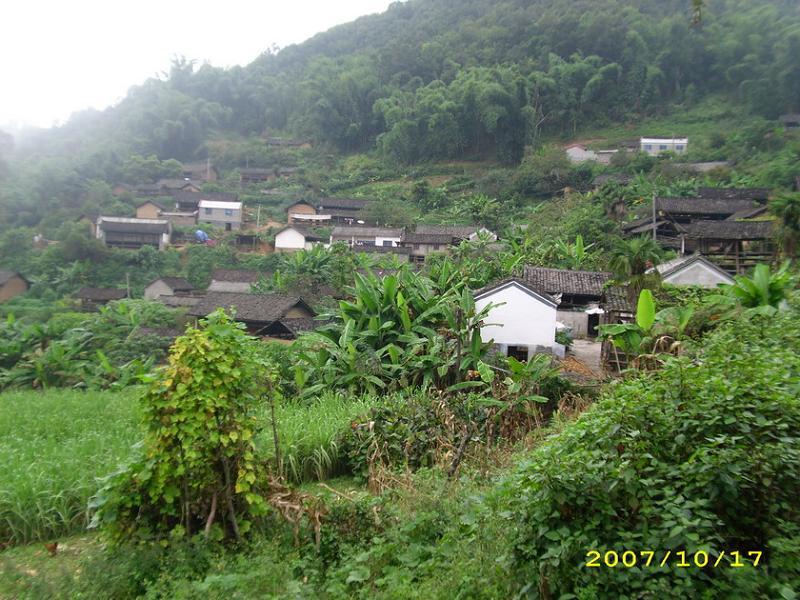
{"x": 704, "y": 455}
{"x": 198, "y": 470}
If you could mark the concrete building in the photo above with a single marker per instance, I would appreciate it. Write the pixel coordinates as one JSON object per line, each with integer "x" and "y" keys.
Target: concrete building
{"x": 692, "y": 270}
{"x": 522, "y": 323}
{"x": 225, "y": 215}
{"x": 656, "y": 146}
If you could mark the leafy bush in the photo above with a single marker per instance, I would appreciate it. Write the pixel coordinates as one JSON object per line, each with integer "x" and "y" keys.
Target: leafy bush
{"x": 198, "y": 469}
{"x": 704, "y": 455}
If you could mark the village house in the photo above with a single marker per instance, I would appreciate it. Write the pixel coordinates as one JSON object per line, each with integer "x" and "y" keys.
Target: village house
{"x": 298, "y": 237}
{"x": 225, "y": 215}
{"x": 89, "y": 219}
{"x": 290, "y": 328}
{"x": 190, "y": 201}
{"x": 790, "y": 121}
{"x": 578, "y": 294}
{"x": 305, "y": 212}
{"x": 167, "y": 286}
{"x": 121, "y": 232}
{"x": 367, "y": 236}
{"x": 736, "y": 246}
{"x": 12, "y": 284}
{"x": 277, "y": 142}
{"x": 258, "y": 175}
{"x": 149, "y": 209}
{"x": 692, "y": 270}
{"x": 341, "y": 211}
{"x": 578, "y": 153}
{"x": 256, "y": 311}
{"x": 656, "y": 146}
{"x": 235, "y": 280}
{"x": 200, "y": 171}
{"x": 522, "y": 323}
{"x": 427, "y": 239}
{"x": 162, "y": 188}
{"x": 93, "y": 298}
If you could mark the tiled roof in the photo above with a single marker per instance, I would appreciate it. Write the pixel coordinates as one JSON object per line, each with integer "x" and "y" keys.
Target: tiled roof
{"x": 175, "y": 283}
{"x": 90, "y": 293}
{"x": 734, "y": 193}
{"x": 704, "y": 206}
{"x": 615, "y": 299}
{"x": 351, "y": 203}
{"x": 560, "y": 281}
{"x": 350, "y": 232}
{"x": 195, "y": 197}
{"x": 456, "y": 231}
{"x": 383, "y": 249}
{"x": 257, "y": 308}
{"x": 237, "y": 275}
{"x": 730, "y": 230}
{"x": 428, "y": 238}
{"x": 6, "y": 276}
{"x": 123, "y": 225}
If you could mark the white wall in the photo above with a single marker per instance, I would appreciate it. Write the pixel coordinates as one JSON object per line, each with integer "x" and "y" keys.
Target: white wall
{"x": 525, "y": 320}
{"x": 289, "y": 239}
{"x": 395, "y": 241}
{"x": 697, "y": 274}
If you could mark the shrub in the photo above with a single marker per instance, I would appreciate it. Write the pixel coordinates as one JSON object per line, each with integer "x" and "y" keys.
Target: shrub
{"x": 198, "y": 466}
{"x": 704, "y": 455}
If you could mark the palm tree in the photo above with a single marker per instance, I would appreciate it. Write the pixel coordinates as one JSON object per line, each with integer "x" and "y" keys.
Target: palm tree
{"x": 787, "y": 208}
{"x": 630, "y": 260}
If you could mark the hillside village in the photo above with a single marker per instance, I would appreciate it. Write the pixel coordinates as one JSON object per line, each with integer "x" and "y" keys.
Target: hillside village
{"x": 457, "y": 300}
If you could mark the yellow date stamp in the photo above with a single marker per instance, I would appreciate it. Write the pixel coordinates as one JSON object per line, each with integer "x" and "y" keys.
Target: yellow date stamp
{"x": 682, "y": 559}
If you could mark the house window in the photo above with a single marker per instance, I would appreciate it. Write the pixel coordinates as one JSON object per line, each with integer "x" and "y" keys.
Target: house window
{"x": 208, "y": 211}
{"x": 518, "y": 352}
{"x": 436, "y": 246}
{"x": 662, "y": 147}
{"x": 387, "y": 242}
{"x": 679, "y": 147}
{"x": 228, "y": 212}
{"x": 648, "y": 146}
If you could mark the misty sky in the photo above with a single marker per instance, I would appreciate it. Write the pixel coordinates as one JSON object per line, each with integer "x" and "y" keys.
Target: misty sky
{"x": 60, "y": 56}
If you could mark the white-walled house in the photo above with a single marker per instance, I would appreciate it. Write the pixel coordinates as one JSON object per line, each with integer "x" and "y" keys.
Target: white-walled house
{"x": 692, "y": 270}
{"x": 296, "y": 237}
{"x": 367, "y": 236}
{"x": 524, "y": 321}
{"x": 655, "y": 146}
{"x": 225, "y": 215}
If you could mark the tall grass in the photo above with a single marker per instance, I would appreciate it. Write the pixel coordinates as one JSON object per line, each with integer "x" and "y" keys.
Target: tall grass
{"x": 308, "y": 432}
{"x": 52, "y": 447}
{"x": 55, "y": 444}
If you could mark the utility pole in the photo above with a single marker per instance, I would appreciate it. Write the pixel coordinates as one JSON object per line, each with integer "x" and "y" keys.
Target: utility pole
{"x": 655, "y": 228}
{"x": 258, "y": 217}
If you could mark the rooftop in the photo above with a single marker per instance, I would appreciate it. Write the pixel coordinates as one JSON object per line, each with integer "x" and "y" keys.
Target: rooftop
{"x": 103, "y": 294}
{"x": 237, "y": 275}
{"x": 256, "y": 308}
{"x": 347, "y": 232}
{"x": 350, "y": 203}
{"x": 666, "y": 269}
{"x": 730, "y": 230}
{"x": 130, "y": 225}
{"x": 561, "y": 281}
{"x": 519, "y": 283}
{"x": 175, "y": 283}
{"x": 705, "y": 206}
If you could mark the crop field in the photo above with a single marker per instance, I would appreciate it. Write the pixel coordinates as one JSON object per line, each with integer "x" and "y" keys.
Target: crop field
{"x": 54, "y": 446}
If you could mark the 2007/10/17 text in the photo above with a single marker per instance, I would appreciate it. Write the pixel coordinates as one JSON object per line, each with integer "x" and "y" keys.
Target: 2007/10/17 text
{"x": 681, "y": 559}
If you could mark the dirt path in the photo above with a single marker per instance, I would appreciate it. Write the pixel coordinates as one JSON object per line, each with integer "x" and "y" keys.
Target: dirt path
{"x": 588, "y": 353}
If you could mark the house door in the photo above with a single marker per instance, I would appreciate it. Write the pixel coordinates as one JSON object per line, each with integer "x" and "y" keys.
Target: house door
{"x": 518, "y": 352}
{"x": 227, "y": 226}
{"x": 594, "y": 321}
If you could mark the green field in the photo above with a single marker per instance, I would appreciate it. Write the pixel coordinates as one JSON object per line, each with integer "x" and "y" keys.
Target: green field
{"x": 55, "y": 444}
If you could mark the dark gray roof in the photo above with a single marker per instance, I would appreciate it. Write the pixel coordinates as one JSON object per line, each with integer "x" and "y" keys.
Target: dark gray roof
{"x": 456, "y": 231}
{"x": 790, "y": 118}
{"x": 6, "y": 276}
{"x": 254, "y": 308}
{"x": 615, "y": 299}
{"x": 730, "y": 230}
{"x": 347, "y": 203}
{"x": 383, "y": 249}
{"x": 174, "y": 184}
{"x": 560, "y": 281}
{"x": 178, "y": 284}
{"x": 120, "y": 225}
{"x": 237, "y": 275}
{"x": 194, "y": 197}
{"x": 102, "y": 294}
{"x": 349, "y": 232}
{"x": 734, "y": 193}
{"x": 178, "y": 301}
{"x": 428, "y": 238}
{"x": 704, "y": 206}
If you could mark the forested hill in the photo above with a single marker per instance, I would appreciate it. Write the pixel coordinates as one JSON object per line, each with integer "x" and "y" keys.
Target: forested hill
{"x": 431, "y": 79}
